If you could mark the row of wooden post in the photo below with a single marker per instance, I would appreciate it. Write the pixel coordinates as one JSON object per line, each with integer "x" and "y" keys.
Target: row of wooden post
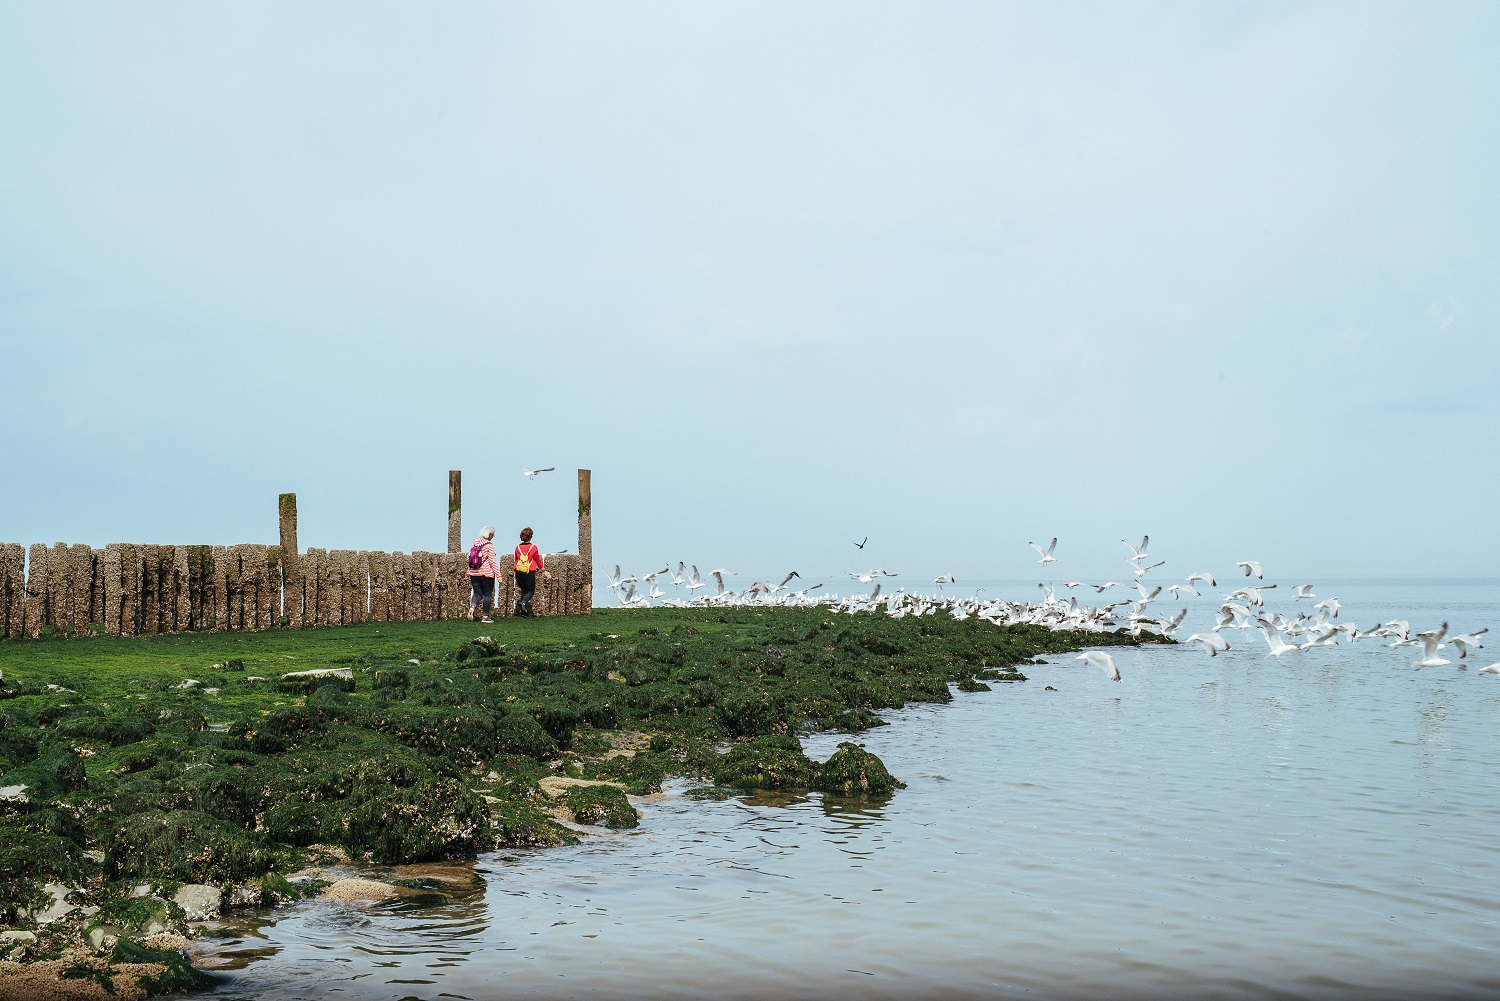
{"x": 130, "y": 590}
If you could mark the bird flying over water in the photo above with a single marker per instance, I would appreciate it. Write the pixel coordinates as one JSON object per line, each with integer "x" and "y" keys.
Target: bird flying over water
{"x": 530, "y": 474}
{"x": 1104, "y": 660}
{"x": 1212, "y": 642}
{"x": 1250, "y": 566}
{"x": 861, "y": 543}
{"x": 1139, "y": 552}
{"x": 1046, "y": 554}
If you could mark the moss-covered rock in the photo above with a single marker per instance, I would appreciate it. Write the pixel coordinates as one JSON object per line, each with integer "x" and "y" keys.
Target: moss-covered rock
{"x": 601, "y": 804}
{"x": 852, "y": 769}
{"x": 772, "y": 762}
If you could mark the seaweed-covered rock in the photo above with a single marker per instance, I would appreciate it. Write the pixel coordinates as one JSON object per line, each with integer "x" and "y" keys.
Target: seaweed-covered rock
{"x": 186, "y": 846}
{"x": 852, "y": 769}
{"x": 527, "y": 825}
{"x": 601, "y": 804}
{"x": 774, "y": 762}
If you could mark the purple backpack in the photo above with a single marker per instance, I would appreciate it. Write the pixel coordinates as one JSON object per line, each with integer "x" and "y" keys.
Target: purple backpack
{"x": 476, "y": 556}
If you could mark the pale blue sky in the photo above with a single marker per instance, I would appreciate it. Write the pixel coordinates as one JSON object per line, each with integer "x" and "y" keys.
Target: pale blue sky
{"x": 953, "y": 276}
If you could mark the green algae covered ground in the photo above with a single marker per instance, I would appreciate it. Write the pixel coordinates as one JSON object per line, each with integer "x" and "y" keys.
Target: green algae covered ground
{"x": 187, "y": 759}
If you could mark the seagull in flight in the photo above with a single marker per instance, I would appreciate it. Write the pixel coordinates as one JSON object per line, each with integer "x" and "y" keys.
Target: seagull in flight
{"x": 1139, "y": 552}
{"x": 531, "y": 474}
{"x": 1492, "y": 669}
{"x": 861, "y": 545}
{"x": 1468, "y": 640}
{"x": 1304, "y": 591}
{"x": 1212, "y": 642}
{"x": 1097, "y": 658}
{"x": 1250, "y": 566}
{"x": 1046, "y": 554}
{"x": 946, "y": 578}
{"x": 1431, "y": 644}
{"x": 1207, "y": 578}
{"x": 1277, "y": 643}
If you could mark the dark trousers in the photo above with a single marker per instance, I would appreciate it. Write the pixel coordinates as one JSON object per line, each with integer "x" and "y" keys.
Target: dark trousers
{"x": 482, "y": 593}
{"x": 526, "y": 584}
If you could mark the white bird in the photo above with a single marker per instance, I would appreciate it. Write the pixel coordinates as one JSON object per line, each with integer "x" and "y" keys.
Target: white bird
{"x": 1104, "y": 660}
{"x": 1468, "y": 640}
{"x": 1431, "y": 644}
{"x": 531, "y": 473}
{"x": 1212, "y": 642}
{"x": 1145, "y": 594}
{"x": 785, "y": 581}
{"x": 1207, "y": 577}
{"x": 1139, "y": 552}
{"x": 1177, "y": 590}
{"x": 1277, "y": 643}
{"x": 719, "y": 571}
{"x": 1250, "y": 566}
{"x": 695, "y": 581}
{"x": 1046, "y": 554}
{"x": 946, "y": 578}
{"x": 1492, "y": 669}
{"x": 1331, "y": 606}
{"x": 1170, "y": 625}
{"x": 1304, "y": 591}
{"x": 1147, "y": 569}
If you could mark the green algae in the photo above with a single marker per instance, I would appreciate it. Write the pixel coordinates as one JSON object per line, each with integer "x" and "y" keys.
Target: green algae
{"x": 233, "y": 780}
{"x": 852, "y": 769}
{"x": 603, "y": 805}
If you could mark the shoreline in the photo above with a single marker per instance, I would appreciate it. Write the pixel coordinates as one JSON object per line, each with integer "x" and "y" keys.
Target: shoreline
{"x": 167, "y": 780}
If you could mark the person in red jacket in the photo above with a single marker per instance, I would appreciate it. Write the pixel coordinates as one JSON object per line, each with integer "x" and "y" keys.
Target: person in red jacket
{"x": 528, "y": 560}
{"x": 484, "y": 574}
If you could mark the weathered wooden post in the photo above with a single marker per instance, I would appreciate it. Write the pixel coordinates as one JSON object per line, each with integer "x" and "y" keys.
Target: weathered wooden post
{"x": 291, "y": 562}
{"x": 586, "y": 536}
{"x": 455, "y": 511}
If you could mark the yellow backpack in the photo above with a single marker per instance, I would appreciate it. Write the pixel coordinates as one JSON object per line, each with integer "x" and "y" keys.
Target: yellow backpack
{"x": 523, "y": 558}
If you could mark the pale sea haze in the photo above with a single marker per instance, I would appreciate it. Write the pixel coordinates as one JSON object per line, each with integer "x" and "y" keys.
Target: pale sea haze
{"x": 1326, "y": 827}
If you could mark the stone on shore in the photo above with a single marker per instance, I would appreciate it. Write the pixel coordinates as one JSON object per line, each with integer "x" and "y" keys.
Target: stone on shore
{"x": 199, "y": 902}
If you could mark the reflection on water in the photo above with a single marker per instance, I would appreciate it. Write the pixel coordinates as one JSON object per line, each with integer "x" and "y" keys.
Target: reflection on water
{"x": 1225, "y": 828}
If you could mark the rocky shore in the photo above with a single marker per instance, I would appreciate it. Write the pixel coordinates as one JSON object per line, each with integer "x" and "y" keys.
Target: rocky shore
{"x": 149, "y": 786}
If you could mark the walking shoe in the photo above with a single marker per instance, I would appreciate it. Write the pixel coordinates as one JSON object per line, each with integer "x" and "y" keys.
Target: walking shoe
{"x": 486, "y": 620}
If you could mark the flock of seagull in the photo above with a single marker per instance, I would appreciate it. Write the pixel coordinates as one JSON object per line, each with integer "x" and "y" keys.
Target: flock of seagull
{"x": 1242, "y": 610}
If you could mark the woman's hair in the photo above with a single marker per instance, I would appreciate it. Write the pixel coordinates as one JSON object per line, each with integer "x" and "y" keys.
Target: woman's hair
{"x": 487, "y": 532}
{"x": 525, "y": 535}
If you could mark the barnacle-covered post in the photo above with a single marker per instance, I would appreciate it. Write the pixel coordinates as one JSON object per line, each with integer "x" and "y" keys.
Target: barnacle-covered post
{"x": 586, "y": 538}
{"x": 455, "y": 510}
{"x": 291, "y": 561}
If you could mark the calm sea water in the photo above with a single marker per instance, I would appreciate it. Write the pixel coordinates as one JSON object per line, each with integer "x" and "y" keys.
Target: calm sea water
{"x": 1323, "y": 827}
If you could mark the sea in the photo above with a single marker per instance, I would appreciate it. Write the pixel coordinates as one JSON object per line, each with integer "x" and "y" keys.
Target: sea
{"x": 1323, "y": 826}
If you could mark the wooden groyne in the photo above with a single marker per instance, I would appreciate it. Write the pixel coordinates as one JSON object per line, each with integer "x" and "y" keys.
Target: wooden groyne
{"x": 138, "y": 590}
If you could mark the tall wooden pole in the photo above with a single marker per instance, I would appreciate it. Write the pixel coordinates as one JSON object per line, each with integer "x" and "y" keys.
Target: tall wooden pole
{"x": 586, "y": 534}
{"x": 291, "y": 562}
{"x": 455, "y": 511}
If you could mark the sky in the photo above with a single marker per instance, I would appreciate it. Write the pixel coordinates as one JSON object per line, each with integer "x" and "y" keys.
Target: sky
{"x": 950, "y": 276}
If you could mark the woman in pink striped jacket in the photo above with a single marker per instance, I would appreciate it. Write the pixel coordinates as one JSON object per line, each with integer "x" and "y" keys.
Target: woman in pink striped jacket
{"x": 484, "y": 570}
